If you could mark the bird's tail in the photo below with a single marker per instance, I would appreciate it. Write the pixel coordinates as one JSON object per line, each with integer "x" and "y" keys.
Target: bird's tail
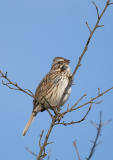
{"x": 28, "y": 124}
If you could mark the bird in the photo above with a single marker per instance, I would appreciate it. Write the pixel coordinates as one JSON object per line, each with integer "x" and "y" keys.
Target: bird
{"x": 51, "y": 89}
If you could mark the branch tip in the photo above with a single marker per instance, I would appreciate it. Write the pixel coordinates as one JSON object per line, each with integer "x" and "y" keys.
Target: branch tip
{"x": 88, "y": 27}
{"x": 100, "y": 26}
{"x": 98, "y": 127}
{"x": 111, "y": 3}
{"x": 76, "y": 149}
{"x": 96, "y": 9}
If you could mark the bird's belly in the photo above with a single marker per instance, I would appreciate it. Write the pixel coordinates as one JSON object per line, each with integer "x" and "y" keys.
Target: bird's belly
{"x": 58, "y": 93}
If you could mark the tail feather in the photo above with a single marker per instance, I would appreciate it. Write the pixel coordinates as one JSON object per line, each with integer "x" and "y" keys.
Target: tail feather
{"x": 28, "y": 124}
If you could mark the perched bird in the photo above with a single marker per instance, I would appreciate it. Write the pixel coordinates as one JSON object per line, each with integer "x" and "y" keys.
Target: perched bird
{"x": 50, "y": 90}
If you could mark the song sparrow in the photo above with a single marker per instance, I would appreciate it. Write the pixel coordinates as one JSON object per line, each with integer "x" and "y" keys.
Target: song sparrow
{"x": 50, "y": 90}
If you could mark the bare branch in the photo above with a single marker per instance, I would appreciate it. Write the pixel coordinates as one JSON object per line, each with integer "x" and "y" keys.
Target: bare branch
{"x": 92, "y": 101}
{"x": 41, "y": 135}
{"x": 107, "y": 122}
{"x": 50, "y": 143}
{"x": 96, "y": 9}
{"x": 110, "y": 3}
{"x": 100, "y": 26}
{"x": 49, "y": 154}
{"x": 76, "y": 149}
{"x": 46, "y": 138}
{"x": 88, "y": 27}
{"x": 85, "y": 49}
{"x": 9, "y": 84}
{"x": 96, "y": 138}
{"x": 79, "y": 100}
{"x": 73, "y": 122}
{"x": 34, "y": 154}
{"x": 94, "y": 124}
{"x": 29, "y": 92}
{"x": 49, "y": 112}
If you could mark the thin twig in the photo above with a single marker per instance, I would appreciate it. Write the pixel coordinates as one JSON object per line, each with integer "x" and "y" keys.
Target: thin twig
{"x": 46, "y": 138}
{"x": 76, "y": 149}
{"x": 78, "y": 101}
{"x": 110, "y": 3}
{"x": 100, "y": 25}
{"x": 34, "y": 154}
{"x": 88, "y": 27}
{"x": 73, "y": 122}
{"x": 17, "y": 87}
{"x": 29, "y": 92}
{"x": 88, "y": 102}
{"x": 41, "y": 135}
{"x": 96, "y": 9}
{"x": 84, "y": 51}
{"x": 49, "y": 154}
{"x": 96, "y": 138}
{"x": 49, "y": 112}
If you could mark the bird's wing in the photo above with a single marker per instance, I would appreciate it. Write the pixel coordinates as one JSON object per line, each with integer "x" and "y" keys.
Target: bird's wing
{"x": 46, "y": 85}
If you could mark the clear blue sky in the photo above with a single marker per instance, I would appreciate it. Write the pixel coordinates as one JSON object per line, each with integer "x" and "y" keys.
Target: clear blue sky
{"x": 32, "y": 33}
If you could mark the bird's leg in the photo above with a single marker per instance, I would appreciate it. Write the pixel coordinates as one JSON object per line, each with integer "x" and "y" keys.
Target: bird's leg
{"x": 59, "y": 115}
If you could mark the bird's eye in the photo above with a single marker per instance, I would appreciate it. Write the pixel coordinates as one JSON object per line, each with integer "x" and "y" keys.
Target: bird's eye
{"x": 59, "y": 62}
{"x": 63, "y": 68}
